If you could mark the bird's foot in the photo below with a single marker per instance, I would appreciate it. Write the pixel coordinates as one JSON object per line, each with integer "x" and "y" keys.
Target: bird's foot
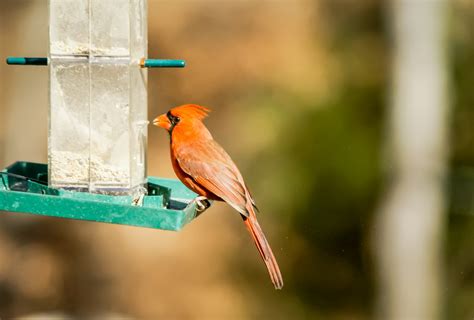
{"x": 138, "y": 201}
{"x": 138, "y": 196}
{"x": 202, "y": 204}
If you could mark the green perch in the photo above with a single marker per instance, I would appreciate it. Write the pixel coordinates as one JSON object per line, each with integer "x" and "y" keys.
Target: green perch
{"x": 144, "y": 63}
{"x": 31, "y": 61}
{"x": 162, "y": 63}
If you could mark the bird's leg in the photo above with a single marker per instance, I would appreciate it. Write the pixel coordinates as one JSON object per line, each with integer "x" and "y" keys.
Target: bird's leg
{"x": 202, "y": 203}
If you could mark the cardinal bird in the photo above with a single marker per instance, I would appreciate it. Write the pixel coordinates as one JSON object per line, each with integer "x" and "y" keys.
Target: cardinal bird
{"x": 205, "y": 168}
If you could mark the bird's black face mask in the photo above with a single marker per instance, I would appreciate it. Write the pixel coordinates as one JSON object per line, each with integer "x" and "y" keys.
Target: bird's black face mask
{"x": 174, "y": 120}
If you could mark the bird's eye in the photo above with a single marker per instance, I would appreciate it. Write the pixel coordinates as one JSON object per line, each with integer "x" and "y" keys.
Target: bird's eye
{"x": 173, "y": 119}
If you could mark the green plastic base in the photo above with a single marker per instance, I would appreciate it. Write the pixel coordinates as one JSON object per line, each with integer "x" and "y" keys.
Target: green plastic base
{"x": 168, "y": 205}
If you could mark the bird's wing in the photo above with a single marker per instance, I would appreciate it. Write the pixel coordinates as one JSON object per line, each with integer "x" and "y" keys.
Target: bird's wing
{"x": 213, "y": 169}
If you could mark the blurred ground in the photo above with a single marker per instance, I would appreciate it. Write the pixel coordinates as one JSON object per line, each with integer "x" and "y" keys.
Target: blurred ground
{"x": 298, "y": 91}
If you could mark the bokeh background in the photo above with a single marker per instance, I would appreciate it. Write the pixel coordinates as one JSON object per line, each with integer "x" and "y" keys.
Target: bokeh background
{"x": 300, "y": 92}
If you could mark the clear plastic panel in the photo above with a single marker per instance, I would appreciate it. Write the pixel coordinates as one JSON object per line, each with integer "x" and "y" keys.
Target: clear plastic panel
{"x": 138, "y": 30}
{"x": 110, "y": 27}
{"x": 69, "y": 124}
{"x": 139, "y": 124}
{"x": 69, "y": 27}
{"x": 110, "y": 126}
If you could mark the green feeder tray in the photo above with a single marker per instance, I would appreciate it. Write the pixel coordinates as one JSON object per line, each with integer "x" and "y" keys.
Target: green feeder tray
{"x": 23, "y": 188}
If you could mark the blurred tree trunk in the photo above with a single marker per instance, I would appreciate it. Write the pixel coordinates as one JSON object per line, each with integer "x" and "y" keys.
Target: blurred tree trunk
{"x": 410, "y": 222}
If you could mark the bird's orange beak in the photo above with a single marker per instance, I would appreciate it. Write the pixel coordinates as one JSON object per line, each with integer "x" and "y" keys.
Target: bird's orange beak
{"x": 162, "y": 121}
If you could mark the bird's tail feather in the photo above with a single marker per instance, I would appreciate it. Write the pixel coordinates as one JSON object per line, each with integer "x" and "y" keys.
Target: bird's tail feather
{"x": 265, "y": 251}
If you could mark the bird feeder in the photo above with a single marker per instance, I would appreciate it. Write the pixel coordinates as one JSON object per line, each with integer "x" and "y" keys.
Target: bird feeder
{"x": 97, "y": 136}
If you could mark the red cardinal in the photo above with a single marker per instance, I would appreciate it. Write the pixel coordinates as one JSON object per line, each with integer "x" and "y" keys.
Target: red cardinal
{"x": 204, "y": 167}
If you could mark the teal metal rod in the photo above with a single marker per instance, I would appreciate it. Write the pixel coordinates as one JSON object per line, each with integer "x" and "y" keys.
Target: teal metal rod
{"x": 163, "y": 63}
{"x": 146, "y": 63}
{"x": 31, "y": 61}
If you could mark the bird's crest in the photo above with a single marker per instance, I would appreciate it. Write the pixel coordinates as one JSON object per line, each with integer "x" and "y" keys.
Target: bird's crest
{"x": 191, "y": 111}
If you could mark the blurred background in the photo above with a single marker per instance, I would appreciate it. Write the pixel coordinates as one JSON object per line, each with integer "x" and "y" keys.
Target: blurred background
{"x": 302, "y": 99}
